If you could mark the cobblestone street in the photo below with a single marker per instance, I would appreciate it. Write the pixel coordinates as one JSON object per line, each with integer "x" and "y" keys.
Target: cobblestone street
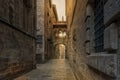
{"x": 56, "y": 69}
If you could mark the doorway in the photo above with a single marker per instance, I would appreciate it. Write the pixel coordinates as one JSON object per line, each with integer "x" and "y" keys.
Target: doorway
{"x": 60, "y": 51}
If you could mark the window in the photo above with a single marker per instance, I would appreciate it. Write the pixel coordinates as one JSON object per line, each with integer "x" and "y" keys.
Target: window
{"x": 39, "y": 39}
{"x": 99, "y": 25}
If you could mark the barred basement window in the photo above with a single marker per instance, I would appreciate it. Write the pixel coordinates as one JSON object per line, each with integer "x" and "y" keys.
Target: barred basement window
{"x": 99, "y": 25}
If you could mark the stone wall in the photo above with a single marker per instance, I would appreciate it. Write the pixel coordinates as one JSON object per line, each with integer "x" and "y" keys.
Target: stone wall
{"x": 17, "y": 32}
{"x": 40, "y": 17}
{"x": 50, "y": 18}
{"x": 86, "y": 63}
{"x": 40, "y": 31}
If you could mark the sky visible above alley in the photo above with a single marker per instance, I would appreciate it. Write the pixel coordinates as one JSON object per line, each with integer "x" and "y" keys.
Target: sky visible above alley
{"x": 60, "y": 5}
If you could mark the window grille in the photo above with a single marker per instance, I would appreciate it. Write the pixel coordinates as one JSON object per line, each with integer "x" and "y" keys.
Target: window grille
{"x": 99, "y": 25}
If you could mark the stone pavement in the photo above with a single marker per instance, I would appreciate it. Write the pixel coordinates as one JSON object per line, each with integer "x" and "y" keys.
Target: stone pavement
{"x": 56, "y": 69}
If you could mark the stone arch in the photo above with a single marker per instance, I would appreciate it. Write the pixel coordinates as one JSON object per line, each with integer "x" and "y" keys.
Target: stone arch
{"x": 60, "y": 51}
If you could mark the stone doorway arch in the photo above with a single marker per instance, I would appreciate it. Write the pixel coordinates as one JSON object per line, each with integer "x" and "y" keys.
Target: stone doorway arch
{"x": 60, "y": 51}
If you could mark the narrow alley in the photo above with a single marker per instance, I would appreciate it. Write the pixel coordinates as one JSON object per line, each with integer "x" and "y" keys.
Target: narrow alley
{"x": 56, "y": 69}
{"x": 59, "y": 39}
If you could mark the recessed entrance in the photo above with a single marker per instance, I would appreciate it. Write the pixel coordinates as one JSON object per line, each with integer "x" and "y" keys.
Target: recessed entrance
{"x": 60, "y": 51}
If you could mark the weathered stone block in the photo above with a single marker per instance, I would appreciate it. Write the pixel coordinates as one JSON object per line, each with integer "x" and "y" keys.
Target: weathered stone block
{"x": 88, "y": 35}
{"x": 111, "y": 37}
{"x": 106, "y": 63}
{"x": 15, "y": 48}
{"x": 88, "y": 22}
{"x": 111, "y": 11}
{"x": 87, "y": 47}
{"x": 89, "y": 10}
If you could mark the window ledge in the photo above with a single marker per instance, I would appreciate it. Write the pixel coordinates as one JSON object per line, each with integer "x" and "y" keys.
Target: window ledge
{"x": 106, "y": 63}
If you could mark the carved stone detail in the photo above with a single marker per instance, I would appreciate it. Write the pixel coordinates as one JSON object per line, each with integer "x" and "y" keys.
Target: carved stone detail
{"x": 111, "y": 37}
{"x": 106, "y": 63}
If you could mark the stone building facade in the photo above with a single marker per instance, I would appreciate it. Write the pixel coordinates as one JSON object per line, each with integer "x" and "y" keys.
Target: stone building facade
{"x": 50, "y": 17}
{"x": 94, "y": 38}
{"x": 17, "y": 37}
{"x": 40, "y": 31}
